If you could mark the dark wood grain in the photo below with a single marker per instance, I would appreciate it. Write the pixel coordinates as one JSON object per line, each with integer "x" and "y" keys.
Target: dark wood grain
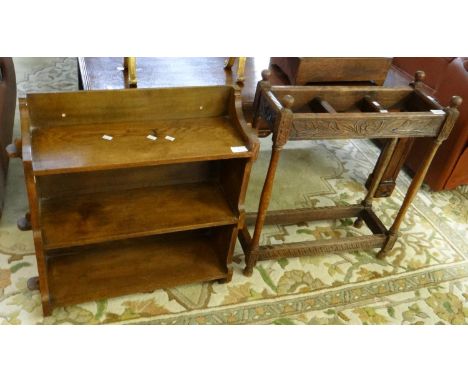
{"x": 68, "y": 128}
{"x": 306, "y": 70}
{"x": 372, "y": 125}
{"x": 123, "y": 267}
{"x": 344, "y": 98}
{"x": 319, "y": 247}
{"x": 93, "y": 218}
{"x": 294, "y": 216}
{"x": 82, "y": 148}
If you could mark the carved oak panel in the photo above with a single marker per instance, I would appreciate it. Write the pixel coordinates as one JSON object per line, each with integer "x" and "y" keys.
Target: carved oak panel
{"x": 266, "y": 112}
{"x": 346, "y": 127}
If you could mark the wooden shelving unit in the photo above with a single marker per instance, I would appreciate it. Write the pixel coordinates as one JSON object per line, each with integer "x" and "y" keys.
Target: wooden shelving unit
{"x": 134, "y": 190}
{"x": 342, "y": 112}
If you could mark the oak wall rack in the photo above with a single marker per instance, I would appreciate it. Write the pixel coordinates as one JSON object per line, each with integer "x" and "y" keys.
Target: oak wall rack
{"x": 133, "y": 190}
{"x": 341, "y": 112}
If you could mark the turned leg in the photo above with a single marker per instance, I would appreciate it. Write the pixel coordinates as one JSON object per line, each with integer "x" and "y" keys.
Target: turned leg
{"x": 24, "y": 222}
{"x": 229, "y": 63}
{"x": 280, "y": 137}
{"x": 130, "y": 69}
{"x": 410, "y": 195}
{"x": 379, "y": 170}
{"x": 388, "y": 182}
{"x": 452, "y": 115}
{"x": 241, "y": 70}
{"x": 252, "y": 255}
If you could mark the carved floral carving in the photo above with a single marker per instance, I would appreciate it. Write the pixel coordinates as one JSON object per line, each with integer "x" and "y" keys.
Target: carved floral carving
{"x": 365, "y": 128}
{"x": 266, "y": 112}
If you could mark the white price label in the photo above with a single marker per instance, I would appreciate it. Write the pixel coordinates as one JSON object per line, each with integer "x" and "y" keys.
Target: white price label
{"x": 438, "y": 112}
{"x": 169, "y": 138}
{"x": 107, "y": 137}
{"x": 152, "y": 137}
{"x": 239, "y": 149}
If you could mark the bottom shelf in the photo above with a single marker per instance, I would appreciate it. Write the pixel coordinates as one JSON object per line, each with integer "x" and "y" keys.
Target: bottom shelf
{"x": 132, "y": 266}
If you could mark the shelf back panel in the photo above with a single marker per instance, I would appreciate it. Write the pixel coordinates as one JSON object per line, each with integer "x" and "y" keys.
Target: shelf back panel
{"x": 126, "y": 105}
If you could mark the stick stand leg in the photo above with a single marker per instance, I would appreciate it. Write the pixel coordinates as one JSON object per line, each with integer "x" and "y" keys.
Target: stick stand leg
{"x": 252, "y": 254}
{"x": 379, "y": 170}
{"x": 410, "y": 195}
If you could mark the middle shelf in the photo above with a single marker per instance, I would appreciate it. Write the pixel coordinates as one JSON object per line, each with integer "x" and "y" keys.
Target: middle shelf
{"x": 89, "y": 218}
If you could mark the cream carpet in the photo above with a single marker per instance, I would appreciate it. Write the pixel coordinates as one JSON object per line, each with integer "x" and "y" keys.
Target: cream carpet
{"x": 423, "y": 281}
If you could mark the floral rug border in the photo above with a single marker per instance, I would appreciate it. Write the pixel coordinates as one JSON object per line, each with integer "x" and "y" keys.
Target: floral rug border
{"x": 254, "y": 312}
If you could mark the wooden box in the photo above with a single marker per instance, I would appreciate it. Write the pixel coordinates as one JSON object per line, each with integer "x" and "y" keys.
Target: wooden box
{"x": 314, "y": 70}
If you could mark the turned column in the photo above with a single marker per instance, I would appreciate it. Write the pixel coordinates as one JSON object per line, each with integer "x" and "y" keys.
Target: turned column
{"x": 129, "y": 65}
{"x": 452, "y": 115}
{"x": 281, "y": 131}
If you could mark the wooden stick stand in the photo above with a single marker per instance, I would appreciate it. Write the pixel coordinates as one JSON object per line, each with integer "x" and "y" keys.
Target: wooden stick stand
{"x": 321, "y": 112}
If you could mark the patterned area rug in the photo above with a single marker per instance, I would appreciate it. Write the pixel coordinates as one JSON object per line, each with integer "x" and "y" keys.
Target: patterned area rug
{"x": 423, "y": 281}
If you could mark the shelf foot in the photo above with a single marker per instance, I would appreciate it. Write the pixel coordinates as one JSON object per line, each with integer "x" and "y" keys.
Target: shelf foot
{"x": 387, "y": 247}
{"x": 358, "y": 223}
{"x": 24, "y": 222}
{"x": 33, "y": 283}
{"x": 228, "y": 277}
{"x": 46, "y": 309}
{"x": 382, "y": 253}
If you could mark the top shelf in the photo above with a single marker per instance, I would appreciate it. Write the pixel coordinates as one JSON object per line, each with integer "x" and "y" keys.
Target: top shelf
{"x": 82, "y": 148}
{"x": 104, "y": 130}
